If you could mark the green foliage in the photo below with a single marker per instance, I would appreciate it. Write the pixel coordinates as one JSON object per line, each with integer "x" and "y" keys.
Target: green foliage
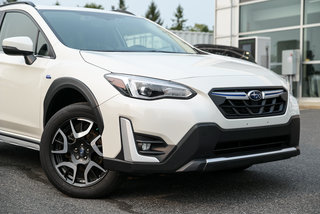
{"x": 179, "y": 21}
{"x": 121, "y": 6}
{"x": 153, "y": 13}
{"x": 9, "y": 1}
{"x": 200, "y": 28}
{"x": 93, "y": 5}
{"x": 57, "y": 3}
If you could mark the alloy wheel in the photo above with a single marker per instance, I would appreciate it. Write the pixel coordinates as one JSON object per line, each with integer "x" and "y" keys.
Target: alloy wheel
{"x": 76, "y": 153}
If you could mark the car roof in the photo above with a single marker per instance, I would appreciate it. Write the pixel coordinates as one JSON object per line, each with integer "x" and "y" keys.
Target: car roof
{"x": 18, "y": 2}
{"x": 51, "y": 7}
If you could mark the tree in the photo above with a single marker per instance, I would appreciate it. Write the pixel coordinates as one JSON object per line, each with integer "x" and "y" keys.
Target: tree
{"x": 122, "y": 6}
{"x": 179, "y": 21}
{"x": 93, "y": 5}
{"x": 154, "y": 14}
{"x": 57, "y": 3}
{"x": 9, "y": 1}
{"x": 200, "y": 28}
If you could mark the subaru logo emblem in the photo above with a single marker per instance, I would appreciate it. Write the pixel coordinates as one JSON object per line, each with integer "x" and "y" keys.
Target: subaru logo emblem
{"x": 255, "y": 95}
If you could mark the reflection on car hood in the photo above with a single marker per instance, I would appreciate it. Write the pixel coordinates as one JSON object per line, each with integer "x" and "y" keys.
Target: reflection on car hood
{"x": 172, "y": 66}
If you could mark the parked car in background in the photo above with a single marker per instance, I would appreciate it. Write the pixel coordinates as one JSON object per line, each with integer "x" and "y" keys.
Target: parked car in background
{"x": 226, "y": 51}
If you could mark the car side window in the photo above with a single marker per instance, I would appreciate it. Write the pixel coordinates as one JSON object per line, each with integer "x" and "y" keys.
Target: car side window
{"x": 1, "y": 14}
{"x": 42, "y": 46}
{"x": 18, "y": 24}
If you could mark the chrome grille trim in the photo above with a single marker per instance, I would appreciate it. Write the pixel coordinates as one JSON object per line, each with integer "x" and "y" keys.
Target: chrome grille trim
{"x": 237, "y": 103}
{"x": 244, "y": 96}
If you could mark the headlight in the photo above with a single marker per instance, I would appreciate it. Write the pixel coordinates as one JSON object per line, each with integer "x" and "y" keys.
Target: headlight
{"x": 148, "y": 88}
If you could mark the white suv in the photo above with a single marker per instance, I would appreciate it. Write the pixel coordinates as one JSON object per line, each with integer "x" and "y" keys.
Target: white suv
{"x": 100, "y": 93}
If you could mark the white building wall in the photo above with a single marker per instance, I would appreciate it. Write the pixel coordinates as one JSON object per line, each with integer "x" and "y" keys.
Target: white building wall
{"x": 195, "y": 37}
{"x": 226, "y": 22}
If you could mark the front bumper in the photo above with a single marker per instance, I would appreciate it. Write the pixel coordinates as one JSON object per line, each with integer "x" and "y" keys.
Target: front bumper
{"x": 197, "y": 151}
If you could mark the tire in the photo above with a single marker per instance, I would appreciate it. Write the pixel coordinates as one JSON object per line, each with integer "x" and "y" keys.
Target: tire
{"x": 71, "y": 154}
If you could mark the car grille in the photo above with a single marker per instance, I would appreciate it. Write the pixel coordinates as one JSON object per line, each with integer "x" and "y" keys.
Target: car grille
{"x": 250, "y": 102}
{"x": 251, "y": 146}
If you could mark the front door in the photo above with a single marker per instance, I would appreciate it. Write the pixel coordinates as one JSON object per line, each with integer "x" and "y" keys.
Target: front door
{"x": 20, "y": 83}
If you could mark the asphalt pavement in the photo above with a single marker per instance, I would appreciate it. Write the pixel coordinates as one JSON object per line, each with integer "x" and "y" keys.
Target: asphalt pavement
{"x": 291, "y": 186}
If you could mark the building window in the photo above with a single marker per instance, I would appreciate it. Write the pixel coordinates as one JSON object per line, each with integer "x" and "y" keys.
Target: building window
{"x": 280, "y": 41}
{"x": 311, "y": 80}
{"x": 269, "y": 14}
{"x": 312, "y": 11}
{"x": 311, "y": 72}
{"x": 311, "y": 44}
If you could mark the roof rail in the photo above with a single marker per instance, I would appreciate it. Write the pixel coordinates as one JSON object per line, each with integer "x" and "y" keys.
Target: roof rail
{"x": 124, "y": 11}
{"x": 19, "y": 2}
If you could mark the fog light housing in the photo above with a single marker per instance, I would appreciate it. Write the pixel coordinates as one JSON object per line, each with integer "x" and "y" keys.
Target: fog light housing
{"x": 152, "y": 146}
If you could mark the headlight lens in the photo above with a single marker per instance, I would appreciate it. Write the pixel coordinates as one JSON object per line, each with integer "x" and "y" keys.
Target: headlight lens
{"x": 148, "y": 88}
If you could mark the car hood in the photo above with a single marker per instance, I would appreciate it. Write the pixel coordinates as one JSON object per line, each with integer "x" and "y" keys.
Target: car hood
{"x": 177, "y": 66}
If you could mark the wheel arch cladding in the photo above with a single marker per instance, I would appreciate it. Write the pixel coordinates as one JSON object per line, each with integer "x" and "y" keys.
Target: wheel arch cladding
{"x": 66, "y": 91}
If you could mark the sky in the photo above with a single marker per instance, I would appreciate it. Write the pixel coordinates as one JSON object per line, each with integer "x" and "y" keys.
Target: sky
{"x": 195, "y": 11}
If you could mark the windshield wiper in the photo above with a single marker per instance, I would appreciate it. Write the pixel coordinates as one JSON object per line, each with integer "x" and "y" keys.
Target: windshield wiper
{"x": 139, "y": 51}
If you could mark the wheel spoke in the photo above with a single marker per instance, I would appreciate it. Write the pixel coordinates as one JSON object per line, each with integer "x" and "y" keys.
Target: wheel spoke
{"x": 71, "y": 166}
{"x": 82, "y": 133}
{"x": 65, "y": 143}
{"x": 89, "y": 167}
{"x": 59, "y": 141}
{"x": 95, "y": 147}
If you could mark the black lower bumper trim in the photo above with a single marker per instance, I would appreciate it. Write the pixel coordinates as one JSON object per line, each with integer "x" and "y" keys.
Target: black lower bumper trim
{"x": 239, "y": 161}
{"x": 199, "y": 143}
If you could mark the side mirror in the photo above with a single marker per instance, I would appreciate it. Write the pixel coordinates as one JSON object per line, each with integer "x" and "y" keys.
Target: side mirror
{"x": 19, "y": 46}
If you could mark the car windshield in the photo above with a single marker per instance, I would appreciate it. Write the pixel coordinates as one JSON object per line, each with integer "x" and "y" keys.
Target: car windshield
{"x": 111, "y": 32}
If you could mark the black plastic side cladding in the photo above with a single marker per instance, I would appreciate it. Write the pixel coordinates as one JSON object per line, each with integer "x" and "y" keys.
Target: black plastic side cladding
{"x": 71, "y": 83}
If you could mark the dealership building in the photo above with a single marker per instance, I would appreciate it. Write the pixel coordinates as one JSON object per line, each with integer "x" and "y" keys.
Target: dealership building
{"x": 268, "y": 29}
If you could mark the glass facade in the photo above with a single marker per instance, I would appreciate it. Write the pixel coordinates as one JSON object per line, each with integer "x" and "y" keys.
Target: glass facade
{"x": 311, "y": 49}
{"x": 272, "y": 18}
{"x": 311, "y": 80}
{"x": 312, "y": 11}
{"x": 280, "y": 41}
{"x": 269, "y": 14}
